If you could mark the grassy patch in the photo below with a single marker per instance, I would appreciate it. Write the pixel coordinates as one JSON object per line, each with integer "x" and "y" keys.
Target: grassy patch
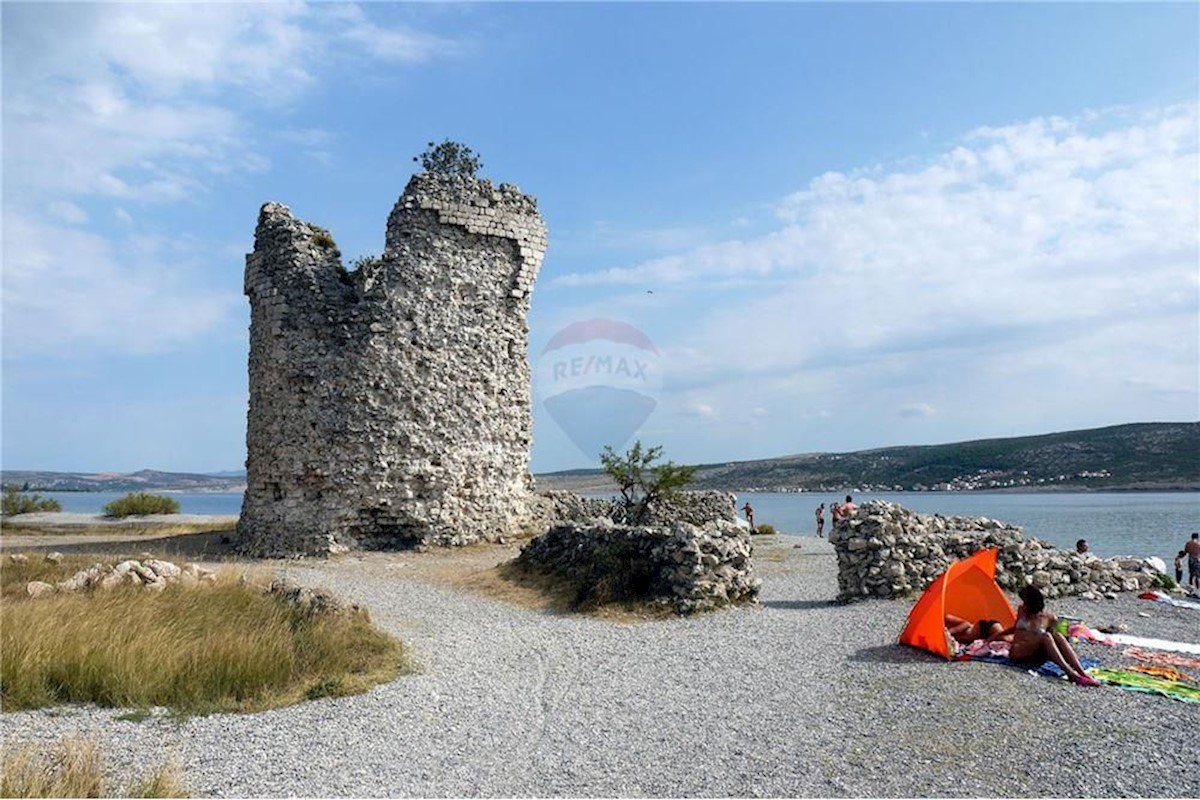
{"x": 137, "y": 504}
{"x": 764, "y": 530}
{"x": 124, "y": 528}
{"x": 74, "y": 768}
{"x": 225, "y": 646}
{"x": 512, "y": 583}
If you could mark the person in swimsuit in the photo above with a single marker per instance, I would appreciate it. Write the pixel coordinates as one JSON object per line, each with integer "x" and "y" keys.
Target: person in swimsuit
{"x": 1035, "y": 639}
{"x": 966, "y": 632}
{"x": 748, "y": 510}
{"x": 1192, "y": 548}
{"x": 1182, "y": 554}
{"x": 821, "y": 520}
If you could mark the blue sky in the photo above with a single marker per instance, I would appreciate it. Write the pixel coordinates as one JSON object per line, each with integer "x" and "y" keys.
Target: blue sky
{"x": 842, "y": 225}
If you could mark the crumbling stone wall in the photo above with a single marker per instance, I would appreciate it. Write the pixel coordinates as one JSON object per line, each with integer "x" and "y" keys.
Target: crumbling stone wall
{"x": 885, "y": 550}
{"x": 694, "y": 508}
{"x": 390, "y": 405}
{"x": 685, "y": 567}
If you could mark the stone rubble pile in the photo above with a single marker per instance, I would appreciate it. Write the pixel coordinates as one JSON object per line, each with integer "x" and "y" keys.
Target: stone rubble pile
{"x": 149, "y": 573}
{"x": 695, "y": 508}
{"x": 685, "y": 567}
{"x": 886, "y": 550}
{"x": 312, "y": 602}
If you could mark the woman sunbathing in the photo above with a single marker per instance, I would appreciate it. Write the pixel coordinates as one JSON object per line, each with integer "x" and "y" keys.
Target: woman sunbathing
{"x": 1035, "y": 639}
{"x": 966, "y": 632}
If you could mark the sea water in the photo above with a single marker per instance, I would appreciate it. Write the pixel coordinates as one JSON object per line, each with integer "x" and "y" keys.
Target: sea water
{"x": 1114, "y": 523}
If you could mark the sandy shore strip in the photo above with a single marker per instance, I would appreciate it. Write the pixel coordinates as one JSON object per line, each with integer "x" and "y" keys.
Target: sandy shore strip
{"x": 794, "y": 697}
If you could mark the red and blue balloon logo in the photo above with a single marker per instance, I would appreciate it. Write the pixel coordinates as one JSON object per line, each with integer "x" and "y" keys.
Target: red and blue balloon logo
{"x": 598, "y": 379}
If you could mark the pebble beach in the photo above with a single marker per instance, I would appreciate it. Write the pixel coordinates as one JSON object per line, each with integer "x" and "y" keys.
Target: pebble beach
{"x": 796, "y": 696}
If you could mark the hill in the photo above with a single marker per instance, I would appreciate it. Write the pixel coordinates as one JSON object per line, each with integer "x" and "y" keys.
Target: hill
{"x": 142, "y": 480}
{"x": 1138, "y": 456}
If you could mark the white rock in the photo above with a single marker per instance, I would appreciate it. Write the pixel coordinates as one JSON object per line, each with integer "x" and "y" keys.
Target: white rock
{"x": 163, "y": 569}
{"x": 38, "y": 588}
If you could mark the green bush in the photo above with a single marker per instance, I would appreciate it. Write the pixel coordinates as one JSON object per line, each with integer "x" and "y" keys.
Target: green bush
{"x": 643, "y": 483}
{"x": 17, "y": 502}
{"x": 765, "y": 530}
{"x": 1164, "y": 581}
{"x": 450, "y": 158}
{"x": 139, "y": 503}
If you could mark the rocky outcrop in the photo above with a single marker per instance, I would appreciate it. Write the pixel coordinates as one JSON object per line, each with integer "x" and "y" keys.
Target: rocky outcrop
{"x": 390, "y": 405}
{"x": 152, "y": 574}
{"x": 682, "y": 566}
{"x": 886, "y": 550}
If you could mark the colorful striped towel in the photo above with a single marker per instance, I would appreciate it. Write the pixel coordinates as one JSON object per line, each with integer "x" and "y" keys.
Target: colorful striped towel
{"x": 1136, "y": 682}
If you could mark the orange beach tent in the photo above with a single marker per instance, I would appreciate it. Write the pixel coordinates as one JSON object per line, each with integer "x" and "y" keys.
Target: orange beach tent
{"x": 967, "y": 589}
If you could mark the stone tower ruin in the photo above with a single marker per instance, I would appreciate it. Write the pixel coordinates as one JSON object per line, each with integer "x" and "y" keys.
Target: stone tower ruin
{"x": 390, "y": 405}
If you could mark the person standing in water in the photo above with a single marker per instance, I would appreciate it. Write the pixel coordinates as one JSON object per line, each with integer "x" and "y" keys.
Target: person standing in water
{"x": 1192, "y": 548}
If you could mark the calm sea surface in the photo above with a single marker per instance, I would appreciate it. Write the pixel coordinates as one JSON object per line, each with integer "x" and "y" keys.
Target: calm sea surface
{"x": 1127, "y": 523}
{"x": 1118, "y": 523}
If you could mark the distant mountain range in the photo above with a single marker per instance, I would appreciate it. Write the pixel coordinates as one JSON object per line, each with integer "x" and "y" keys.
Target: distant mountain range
{"x": 1142, "y": 456}
{"x": 1146, "y": 456}
{"x": 142, "y": 480}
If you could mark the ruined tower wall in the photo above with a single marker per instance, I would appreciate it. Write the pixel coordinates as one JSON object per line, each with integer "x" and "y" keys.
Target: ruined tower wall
{"x": 391, "y": 405}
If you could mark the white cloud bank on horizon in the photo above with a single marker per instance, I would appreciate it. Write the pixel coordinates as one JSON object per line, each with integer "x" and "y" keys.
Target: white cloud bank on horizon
{"x": 1037, "y": 275}
{"x": 145, "y": 105}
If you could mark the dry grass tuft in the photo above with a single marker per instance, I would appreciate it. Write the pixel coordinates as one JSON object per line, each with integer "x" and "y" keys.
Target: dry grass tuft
{"x": 74, "y": 768}
{"x": 509, "y": 582}
{"x": 122, "y": 528}
{"x": 198, "y": 648}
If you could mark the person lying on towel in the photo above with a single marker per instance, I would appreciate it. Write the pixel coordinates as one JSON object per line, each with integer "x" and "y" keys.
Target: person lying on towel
{"x": 1035, "y": 639}
{"x": 966, "y": 632}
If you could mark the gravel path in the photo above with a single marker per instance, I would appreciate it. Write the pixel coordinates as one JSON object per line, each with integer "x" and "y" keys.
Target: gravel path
{"x": 796, "y": 697}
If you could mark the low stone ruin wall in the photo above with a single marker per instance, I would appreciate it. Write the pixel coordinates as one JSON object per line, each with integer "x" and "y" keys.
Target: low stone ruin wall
{"x": 885, "y": 550}
{"x": 694, "y": 508}
{"x": 683, "y": 566}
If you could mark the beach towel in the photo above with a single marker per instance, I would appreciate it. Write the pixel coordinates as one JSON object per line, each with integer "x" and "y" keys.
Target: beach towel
{"x": 1170, "y": 673}
{"x": 1156, "y": 644}
{"x": 1077, "y": 630}
{"x": 1166, "y": 598}
{"x": 997, "y": 653}
{"x": 1136, "y": 682}
{"x": 1154, "y": 657}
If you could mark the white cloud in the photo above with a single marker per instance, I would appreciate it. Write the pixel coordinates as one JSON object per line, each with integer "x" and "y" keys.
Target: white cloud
{"x": 147, "y": 104}
{"x": 1022, "y": 275}
{"x": 67, "y": 211}
{"x": 69, "y": 290}
{"x": 916, "y": 411}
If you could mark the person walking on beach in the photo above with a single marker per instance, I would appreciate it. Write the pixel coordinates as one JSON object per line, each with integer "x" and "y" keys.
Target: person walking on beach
{"x": 821, "y": 521}
{"x": 1192, "y": 548}
{"x": 749, "y": 512}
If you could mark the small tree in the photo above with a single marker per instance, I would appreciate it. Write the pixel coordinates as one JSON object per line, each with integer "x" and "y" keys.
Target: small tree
{"x": 642, "y": 482}
{"x": 450, "y": 158}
